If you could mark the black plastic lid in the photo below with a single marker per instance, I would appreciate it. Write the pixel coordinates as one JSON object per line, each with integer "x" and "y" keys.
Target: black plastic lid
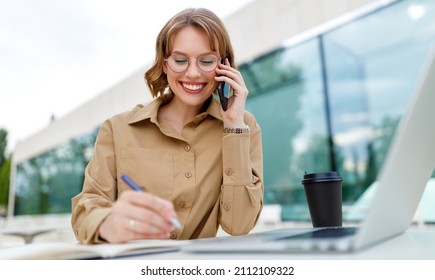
{"x": 322, "y": 177}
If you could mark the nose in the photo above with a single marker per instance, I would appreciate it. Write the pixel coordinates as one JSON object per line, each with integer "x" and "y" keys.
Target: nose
{"x": 193, "y": 70}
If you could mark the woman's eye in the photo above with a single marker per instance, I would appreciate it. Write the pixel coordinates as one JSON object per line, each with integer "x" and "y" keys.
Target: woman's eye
{"x": 181, "y": 60}
{"x": 207, "y": 62}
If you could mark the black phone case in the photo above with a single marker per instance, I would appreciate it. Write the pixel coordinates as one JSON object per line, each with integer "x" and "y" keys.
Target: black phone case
{"x": 223, "y": 90}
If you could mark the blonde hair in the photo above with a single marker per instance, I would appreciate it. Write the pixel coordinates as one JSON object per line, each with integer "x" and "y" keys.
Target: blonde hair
{"x": 200, "y": 18}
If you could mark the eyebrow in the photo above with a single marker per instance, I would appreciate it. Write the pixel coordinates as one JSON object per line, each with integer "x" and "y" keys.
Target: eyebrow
{"x": 182, "y": 53}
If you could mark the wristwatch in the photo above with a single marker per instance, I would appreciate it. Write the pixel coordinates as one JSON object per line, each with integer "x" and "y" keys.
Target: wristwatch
{"x": 237, "y": 130}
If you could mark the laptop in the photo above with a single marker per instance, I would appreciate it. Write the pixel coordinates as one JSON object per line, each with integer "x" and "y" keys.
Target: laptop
{"x": 401, "y": 183}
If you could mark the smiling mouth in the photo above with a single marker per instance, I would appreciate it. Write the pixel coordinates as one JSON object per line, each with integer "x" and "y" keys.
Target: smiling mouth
{"x": 193, "y": 87}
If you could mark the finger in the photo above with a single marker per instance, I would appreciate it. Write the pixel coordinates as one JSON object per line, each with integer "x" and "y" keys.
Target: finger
{"x": 151, "y": 202}
{"x": 152, "y": 236}
{"x": 232, "y": 77}
{"x": 130, "y": 233}
{"x": 228, "y": 71}
{"x": 141, "y": 228}
{"x": 147, "y": 209}
{"x": 148, "y": 221}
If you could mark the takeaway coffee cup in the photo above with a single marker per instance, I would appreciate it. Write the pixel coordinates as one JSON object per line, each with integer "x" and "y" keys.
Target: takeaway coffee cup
{"x": 324, "y": 197}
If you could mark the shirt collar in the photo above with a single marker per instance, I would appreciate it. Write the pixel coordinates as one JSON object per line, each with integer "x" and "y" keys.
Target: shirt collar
{"x": 149, "y": 111}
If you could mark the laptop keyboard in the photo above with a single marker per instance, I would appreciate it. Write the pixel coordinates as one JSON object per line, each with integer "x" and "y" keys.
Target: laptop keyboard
{"x": 334, "y": 232}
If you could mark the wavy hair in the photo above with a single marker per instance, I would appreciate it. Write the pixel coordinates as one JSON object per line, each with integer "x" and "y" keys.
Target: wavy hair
{"x": 200, "y": 18}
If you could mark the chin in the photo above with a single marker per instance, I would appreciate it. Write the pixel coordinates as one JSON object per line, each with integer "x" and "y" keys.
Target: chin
{"x": 194, "y": 99}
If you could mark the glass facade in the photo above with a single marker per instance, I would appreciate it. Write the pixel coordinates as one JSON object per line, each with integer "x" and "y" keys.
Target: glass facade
{"x": 45, "y": 184}
{"x": 286, "y": 96}
{"x": 331, "y": 102}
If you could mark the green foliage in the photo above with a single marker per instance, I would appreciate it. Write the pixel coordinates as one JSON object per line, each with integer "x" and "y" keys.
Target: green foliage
{"x": 5, "y": 170}
{"x": 3, "y": 145}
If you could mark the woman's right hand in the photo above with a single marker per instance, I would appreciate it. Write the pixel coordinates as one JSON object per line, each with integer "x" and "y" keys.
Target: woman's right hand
{"x": 138, "y": 215}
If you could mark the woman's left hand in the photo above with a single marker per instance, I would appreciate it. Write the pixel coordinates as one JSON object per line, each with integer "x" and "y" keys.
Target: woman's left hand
{"x": 233, "y": 116}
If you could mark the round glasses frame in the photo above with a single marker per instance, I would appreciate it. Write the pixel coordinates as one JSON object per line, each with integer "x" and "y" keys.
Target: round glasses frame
{"x": 179, "y": 63}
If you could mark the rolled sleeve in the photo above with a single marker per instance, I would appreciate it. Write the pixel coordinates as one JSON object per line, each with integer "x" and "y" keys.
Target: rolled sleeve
{"x": 242, "y": 189}
{"x": 93, "y": 204}
{"x": 236, "y": 159}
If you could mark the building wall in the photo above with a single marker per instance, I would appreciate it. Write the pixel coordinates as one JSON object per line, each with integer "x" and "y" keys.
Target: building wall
{"x": 263, "y": 25}
{"x": 119, "y": 98}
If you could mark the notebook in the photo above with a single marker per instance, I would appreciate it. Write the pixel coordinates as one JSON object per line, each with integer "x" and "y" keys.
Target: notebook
{"x": 401, "y": 182}
{"x": 71, "y": 251}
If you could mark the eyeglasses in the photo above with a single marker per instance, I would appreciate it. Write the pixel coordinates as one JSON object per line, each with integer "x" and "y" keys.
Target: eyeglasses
{"x": 206, "y": 62}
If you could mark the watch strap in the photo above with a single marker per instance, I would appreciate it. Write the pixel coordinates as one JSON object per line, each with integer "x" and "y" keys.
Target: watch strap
{"x": 237, "y": 130}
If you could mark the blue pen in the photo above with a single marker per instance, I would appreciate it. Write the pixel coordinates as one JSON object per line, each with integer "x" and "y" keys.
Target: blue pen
{"x": 135, "y": 187}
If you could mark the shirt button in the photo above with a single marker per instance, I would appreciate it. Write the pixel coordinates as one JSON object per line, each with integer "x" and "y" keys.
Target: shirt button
{"x": 188, "y": 174}
{"x": 227, "y": 206}
{"x": 187, "y": 148}
{"x": 229, "y": 171}
{"x": 173, "y": 235}
{"x": 183, "y": 204}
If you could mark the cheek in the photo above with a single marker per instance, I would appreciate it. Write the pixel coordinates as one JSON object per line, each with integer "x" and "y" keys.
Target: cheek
{"x": 170, "y": 76}
{"x": 172, "y": 80}
{"x": 212, "y": 82}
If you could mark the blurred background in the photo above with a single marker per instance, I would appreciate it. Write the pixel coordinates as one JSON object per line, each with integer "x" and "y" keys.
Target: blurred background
{"x": 57, "y": 55}
{"x": 329, "y": 81}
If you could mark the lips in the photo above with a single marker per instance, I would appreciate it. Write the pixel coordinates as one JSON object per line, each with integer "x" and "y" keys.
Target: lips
{"x": 193, "y": 88}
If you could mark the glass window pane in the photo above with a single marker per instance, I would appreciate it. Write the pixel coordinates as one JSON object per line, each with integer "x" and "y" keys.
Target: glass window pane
{"x": 373, "y": 67}
{"x": 290, "y": 110}
{"x": 46, "y": 183}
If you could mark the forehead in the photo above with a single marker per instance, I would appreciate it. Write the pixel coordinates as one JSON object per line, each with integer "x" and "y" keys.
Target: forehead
{"x": 192, "y": 41}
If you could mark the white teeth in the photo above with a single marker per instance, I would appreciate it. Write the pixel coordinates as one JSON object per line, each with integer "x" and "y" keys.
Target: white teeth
{"x": 192, "y": 87}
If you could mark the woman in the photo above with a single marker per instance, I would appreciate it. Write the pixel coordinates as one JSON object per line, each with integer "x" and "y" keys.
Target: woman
{"x": 194, "y": 161}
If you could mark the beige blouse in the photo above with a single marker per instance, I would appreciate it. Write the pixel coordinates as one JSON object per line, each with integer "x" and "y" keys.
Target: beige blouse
{"x": 212, "y": 178}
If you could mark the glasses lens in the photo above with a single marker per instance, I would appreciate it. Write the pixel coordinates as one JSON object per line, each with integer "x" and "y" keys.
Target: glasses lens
{"x": 207, "y": 62}
{"x": 179, "y": 63}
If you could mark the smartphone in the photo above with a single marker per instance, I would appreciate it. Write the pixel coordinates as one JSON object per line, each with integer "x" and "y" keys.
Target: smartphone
{"x": 225, "y": 93}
